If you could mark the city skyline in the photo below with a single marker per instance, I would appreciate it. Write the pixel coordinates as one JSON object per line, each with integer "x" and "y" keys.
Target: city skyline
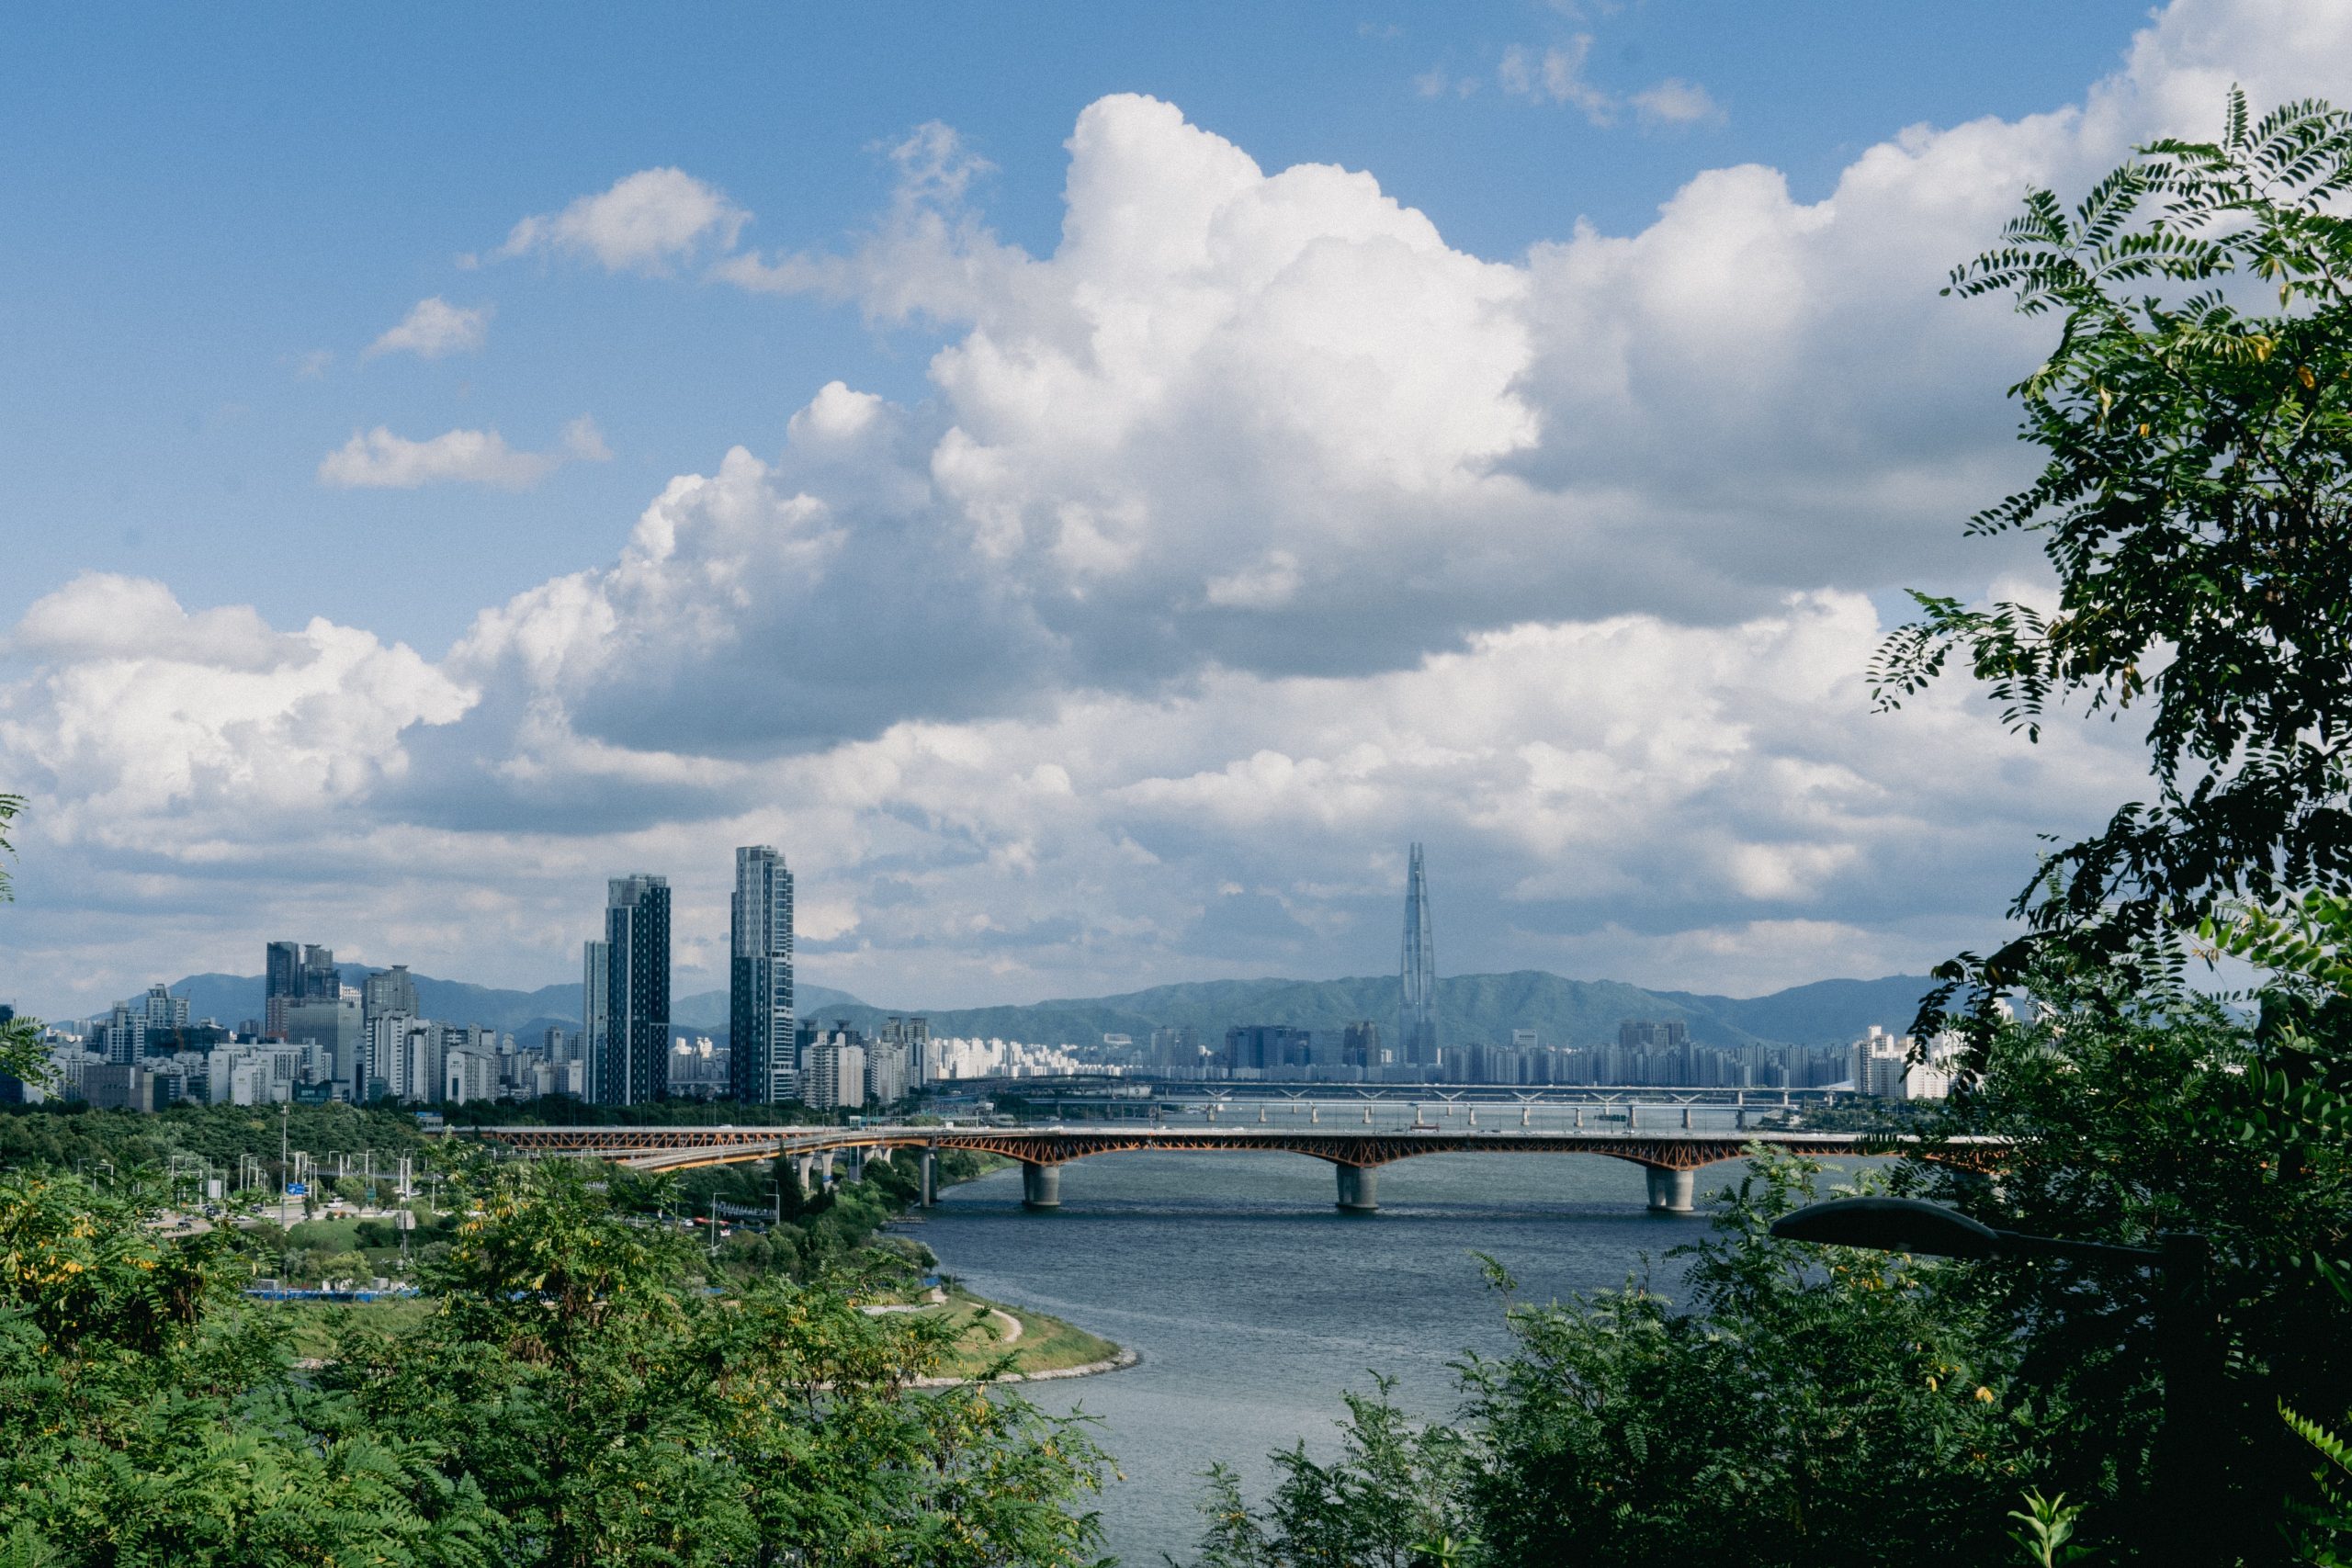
{"x": 1096, "y": 531}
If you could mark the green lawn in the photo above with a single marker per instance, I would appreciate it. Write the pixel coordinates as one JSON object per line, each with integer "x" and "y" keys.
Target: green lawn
{"x": 1046, "y": 1344}
{"x": 325, "y": 1236}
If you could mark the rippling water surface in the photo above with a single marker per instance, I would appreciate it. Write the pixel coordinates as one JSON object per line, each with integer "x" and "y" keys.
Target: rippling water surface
{"x": 1253, "y": 1302}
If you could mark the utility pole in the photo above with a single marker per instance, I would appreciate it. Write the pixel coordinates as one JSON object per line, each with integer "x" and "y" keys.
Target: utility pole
{"x": 714, "y": 1223}
{"x": 285, "y": 1196}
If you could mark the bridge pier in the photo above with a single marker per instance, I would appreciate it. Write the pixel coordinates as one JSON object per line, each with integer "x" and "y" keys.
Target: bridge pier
{"x": 803, "y": 1167}
{"x": 1358, "y": 1188}
{"x": 1041, "y": 1186}
{"x": 927, "y": 1189}
{"x": 824, "y": 1169}
{"x": 1671, "y": 1192}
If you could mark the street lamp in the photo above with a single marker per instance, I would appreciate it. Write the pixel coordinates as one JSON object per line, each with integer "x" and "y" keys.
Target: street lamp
{"x": 2179, "y": 1260}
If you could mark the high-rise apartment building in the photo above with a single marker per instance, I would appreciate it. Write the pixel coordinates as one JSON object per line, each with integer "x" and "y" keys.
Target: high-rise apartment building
{"x": 911, "y": 1036}
{"x": 760, "y": 1060}
{"x": 1644, "y": 1034}
{"x": 635, "y": 1067}
{"x": 293, "y": 972}
{"x": 832, "y": 1071}
{"x": 1360, "y": 1046}
{"x": 1417, "y": 1033}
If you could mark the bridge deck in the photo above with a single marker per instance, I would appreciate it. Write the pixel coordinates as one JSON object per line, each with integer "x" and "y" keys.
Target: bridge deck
{"x": 674, "y": 1148}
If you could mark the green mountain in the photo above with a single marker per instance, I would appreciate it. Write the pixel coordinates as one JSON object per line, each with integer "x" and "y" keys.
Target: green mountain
{"x": 1470, "y": 1007}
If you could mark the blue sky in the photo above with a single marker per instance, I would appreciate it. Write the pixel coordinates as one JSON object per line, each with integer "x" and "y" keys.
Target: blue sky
{"x": 1528, "y": 469}
{"x": 200, "y": 208}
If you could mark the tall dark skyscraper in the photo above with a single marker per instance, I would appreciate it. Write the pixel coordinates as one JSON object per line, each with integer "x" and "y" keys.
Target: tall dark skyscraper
{"x": 760, "y": 1061}
{"x": 294, "y": 972}
{"x": 1417, "y": 1032}
{"x": 635, "y": 1069}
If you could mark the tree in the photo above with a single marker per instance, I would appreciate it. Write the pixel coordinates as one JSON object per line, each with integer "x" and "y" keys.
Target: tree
{"x": 1392, "y": 1499}
{"x": 613, "y": 1409}
{"x": 1861, "y": 1412}
{"x": 147, "y": 1414}
{"x": 2197, "y": 508}
{"x": 21, "y": 1054}
{"x": 348, "y": 1267}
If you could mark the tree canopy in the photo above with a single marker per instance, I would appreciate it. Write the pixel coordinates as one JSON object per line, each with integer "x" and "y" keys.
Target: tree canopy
{"x": 2195, "y": 413}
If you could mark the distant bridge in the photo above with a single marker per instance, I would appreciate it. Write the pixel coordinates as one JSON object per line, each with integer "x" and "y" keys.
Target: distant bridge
{"x": 1670, "y": 1158}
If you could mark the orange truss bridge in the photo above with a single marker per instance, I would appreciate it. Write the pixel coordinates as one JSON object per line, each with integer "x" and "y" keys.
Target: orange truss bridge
{"x": 1670, "y": 1158}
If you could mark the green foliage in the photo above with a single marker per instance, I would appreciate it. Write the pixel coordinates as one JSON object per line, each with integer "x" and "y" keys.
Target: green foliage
{"x": 575, "y": 1395}
{"x": 2194, "y": 508}
{"x": 21, "y": 1054}
{"x": 1817, "y": 1408}
{"x": 2045, "y": 1531}
{"x": 147, "y": 1416}
{"x": 1390, "y": 1500}
{"x": 613, "y": 1410}
{"x": 2323, "y": 1530}
{"x": 2128, "y": 1122}
{"x": 1861, "y": 1412}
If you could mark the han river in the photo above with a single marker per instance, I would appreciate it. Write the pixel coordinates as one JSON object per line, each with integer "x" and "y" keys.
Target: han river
{"x": 1253, "y": 1302}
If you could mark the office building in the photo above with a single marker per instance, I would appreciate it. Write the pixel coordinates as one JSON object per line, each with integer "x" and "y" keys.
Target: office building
{"x": 388, "y": 991}
{"x": 635, "y": 1066}
{"x": 1267, "y": 1047}
{"x": 1417, "y": 1033}
{"x": 1174, "y": 1048}
{"x": 1360, "y": 1046}
{"x": 760, "y": 1058}
{"x": 596, "y": 1009}
{"x": 335, "y": 1026}
{"x": 295, "y": 972}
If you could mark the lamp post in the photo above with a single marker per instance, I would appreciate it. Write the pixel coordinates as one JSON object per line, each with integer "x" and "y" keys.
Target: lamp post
{"x": 2184, "y": 1351}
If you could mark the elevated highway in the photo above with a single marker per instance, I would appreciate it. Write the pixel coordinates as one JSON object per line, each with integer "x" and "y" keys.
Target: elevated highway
{"x": 1670, "y": 1157}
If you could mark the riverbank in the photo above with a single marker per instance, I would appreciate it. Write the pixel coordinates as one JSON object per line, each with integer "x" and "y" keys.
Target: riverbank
{"x": 1039, "y": 1347}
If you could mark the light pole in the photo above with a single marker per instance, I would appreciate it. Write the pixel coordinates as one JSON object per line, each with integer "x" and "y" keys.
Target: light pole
{"x": 2184, "y": 1349}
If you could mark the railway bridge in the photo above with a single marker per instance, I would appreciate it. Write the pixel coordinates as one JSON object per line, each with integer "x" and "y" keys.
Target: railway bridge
{"x": 1671, "y": 1158}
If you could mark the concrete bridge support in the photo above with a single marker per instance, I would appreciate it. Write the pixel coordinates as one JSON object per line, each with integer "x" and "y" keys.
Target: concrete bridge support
{"x": 1041, "y": 1186}
{"x": 1358, "y": 1188}
{"x": 1671, "y": 1192}
{"x": 824, "y": 1169}
{"x": 927, "y": 1191}
{"x": 803, "y": 1167}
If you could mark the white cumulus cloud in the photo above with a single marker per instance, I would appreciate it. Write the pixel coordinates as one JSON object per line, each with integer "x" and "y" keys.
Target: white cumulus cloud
{"x": 1674, "y": 102}
{"x": 378, "y": 459}
{"x": 1249, "y": 531}
{"x": 645, "y": 222}
{"x": 434, "y": 329}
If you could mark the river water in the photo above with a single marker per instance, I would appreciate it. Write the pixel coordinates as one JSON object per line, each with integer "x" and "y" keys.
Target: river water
{"x": 1253, "y": 1302}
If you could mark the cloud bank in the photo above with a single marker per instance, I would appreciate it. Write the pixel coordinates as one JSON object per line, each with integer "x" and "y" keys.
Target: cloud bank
{"x": 1250, "y": 533}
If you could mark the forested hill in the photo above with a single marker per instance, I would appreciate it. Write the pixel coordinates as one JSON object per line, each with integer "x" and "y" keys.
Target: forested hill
{"x": 1471, "y": 1007}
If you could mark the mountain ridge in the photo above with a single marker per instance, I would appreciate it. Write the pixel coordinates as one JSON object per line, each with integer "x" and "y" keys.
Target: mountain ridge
{"x": 1562, "y": 1011}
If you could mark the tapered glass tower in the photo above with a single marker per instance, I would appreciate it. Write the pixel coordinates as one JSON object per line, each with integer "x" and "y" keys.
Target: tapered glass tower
{"x": 1416, "y": 1032}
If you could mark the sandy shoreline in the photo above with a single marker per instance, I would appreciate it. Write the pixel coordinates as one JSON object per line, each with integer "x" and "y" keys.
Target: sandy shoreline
{"x": 1126, "y": 1358}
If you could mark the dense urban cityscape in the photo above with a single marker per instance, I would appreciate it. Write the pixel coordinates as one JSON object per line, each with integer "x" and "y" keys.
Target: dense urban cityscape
{"x": 323, "y": 1037}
